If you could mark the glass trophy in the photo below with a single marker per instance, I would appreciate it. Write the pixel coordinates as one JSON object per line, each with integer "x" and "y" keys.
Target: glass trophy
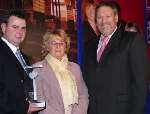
{"x": 35, "y": 96}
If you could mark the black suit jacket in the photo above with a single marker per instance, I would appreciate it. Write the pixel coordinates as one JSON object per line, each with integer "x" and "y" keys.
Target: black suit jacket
{"x": 88, "y": 32}
{"x": 14, "y": 83}
{"x": 117, "y": 84}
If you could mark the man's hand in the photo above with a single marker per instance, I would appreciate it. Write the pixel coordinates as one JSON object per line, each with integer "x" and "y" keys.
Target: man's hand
{"x": 33, "y": 108}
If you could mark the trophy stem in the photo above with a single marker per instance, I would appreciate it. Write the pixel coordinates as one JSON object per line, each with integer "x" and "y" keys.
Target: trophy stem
{"x": 35, "y": 96}
{"x": 34, "y": 90}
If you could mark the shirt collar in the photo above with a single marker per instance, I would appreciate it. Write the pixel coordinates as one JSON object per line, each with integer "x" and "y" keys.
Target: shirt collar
{"x": 11, "y": 46}
{"x": 107, "y": 40}
{"x": 109, "y": 36}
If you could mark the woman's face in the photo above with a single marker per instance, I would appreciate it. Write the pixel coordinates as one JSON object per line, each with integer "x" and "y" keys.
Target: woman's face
{"x": 57, "y": 48}
{"x": 90, "y": 12}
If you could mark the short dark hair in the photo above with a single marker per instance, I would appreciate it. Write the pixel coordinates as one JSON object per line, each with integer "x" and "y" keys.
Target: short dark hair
{"x": 14, "y": 12}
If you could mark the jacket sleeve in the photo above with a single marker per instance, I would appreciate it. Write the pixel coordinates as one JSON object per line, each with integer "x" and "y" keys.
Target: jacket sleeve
{"x": 139, "y": 64}
{"x": 8, "y": 102}
{"x": 42, "y": 89}
{"x": 81, "y": 107}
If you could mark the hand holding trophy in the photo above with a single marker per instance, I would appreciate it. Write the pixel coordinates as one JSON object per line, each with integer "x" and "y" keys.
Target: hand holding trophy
{"x": 35, "y": 96}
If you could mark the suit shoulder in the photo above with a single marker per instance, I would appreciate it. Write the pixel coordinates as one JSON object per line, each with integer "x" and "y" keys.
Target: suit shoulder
{"x": 91, "y": 44}
{"x": 39, "y": 63}
{"x": 129, "y": 39}
{"x": 74, "y": 65}
{"x": 133, "y": 36}
{"x": 75, "y": 69}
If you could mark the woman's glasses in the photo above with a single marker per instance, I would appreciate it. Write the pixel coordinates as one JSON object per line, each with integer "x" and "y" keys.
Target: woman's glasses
{"x": 54, "y": 43}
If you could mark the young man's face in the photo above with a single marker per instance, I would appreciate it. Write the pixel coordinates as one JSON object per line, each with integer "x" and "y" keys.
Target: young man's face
{"x": 15, "y": 30}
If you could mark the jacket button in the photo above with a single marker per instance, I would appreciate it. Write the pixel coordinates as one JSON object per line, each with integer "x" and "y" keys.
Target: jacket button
{"x": 21, "y": 81}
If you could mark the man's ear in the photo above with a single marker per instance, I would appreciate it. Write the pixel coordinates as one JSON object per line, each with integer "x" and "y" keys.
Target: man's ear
{"x": 116, "y": 18}
{"x": 3, "y": 27}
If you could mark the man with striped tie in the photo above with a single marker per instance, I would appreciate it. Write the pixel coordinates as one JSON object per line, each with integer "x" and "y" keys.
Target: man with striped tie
{"x": 14, "y": 83}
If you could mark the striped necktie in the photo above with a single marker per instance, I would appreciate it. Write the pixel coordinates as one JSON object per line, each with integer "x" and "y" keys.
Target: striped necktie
{"x": 101, "y": 46}
{"x": 21, "y": 59}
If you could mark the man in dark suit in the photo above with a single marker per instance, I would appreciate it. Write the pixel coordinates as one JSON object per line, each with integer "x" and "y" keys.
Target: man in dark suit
{"x": 13, "y": 79}
{"x": 116, "y": 80}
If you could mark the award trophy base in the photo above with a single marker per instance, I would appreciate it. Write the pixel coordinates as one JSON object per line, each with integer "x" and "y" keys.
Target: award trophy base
{"x": 39, "y": 103}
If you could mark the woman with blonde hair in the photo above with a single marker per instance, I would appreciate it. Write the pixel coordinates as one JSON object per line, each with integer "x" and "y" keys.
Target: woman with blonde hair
{"x": 61, "y": 80}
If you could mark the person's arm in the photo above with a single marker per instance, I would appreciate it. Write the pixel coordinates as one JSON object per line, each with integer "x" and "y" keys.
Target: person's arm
{"x": 138, "y": 61}
{"x": 81, "y": 107}
{"x": 8, "y": 103}
{"x": 50, "y": 110}
{"x": 33, "y": 108}
{"x": 42, "y": 89}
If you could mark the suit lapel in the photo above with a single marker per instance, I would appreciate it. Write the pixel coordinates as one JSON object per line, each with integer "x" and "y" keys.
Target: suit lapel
{"x": 114, "y": 41}
{"x": 11, "y": 57}
{"x": 94, "y": 50}
{"x": 50, "y": 75}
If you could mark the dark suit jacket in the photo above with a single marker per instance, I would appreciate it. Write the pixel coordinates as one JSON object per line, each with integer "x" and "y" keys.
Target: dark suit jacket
{"x": 88, "y": 32}
{"x": 117, "y": 84}
{"x": 12, "y": 83}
